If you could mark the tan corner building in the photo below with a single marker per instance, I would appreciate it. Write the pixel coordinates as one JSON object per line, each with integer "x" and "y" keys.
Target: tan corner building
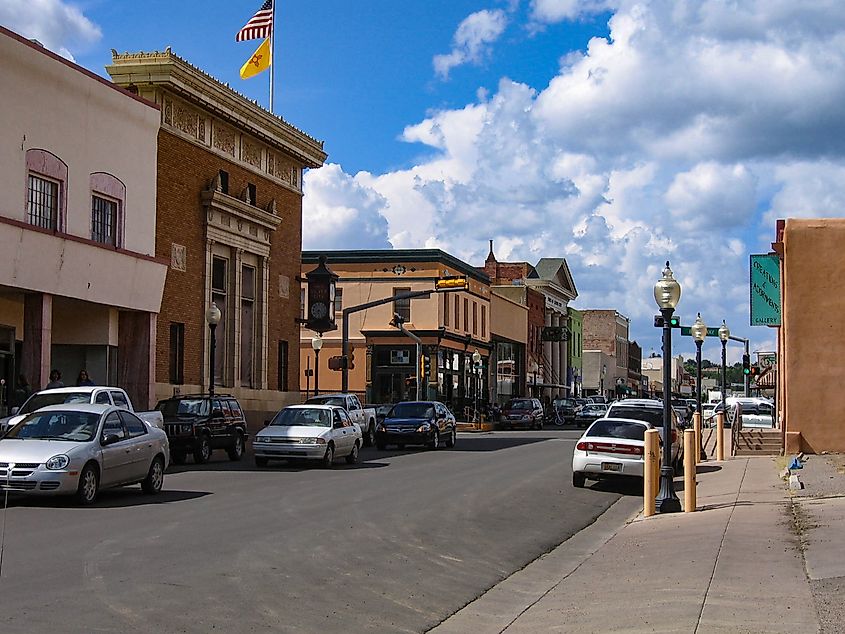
{"x": 229, "y": 225}
{"x": 80, "y": 280}
{"x": 451, "y": 325}
{"x": 811, "y": 345}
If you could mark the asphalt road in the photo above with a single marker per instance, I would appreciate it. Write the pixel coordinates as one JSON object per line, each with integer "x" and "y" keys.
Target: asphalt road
{"x": 395, "y": 544}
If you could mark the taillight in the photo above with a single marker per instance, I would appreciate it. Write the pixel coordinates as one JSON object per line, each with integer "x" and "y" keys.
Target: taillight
{"x": 628, "y": 450}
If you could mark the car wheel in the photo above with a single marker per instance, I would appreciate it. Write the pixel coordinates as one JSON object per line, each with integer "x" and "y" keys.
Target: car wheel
{"x": 236, "y": 451}
{"x": 452, "y": 439}
{"x": 540, "y": 424}
{"x": 352, "y": 458}
{"x": 155, "y": 477}
{"x": 578, "y": 479}
{"x": 370, "y": 437}
{"x": 260, "y": 461}
{"x": 328, "y": 458}
{"x": 89, "y": 485}
{"x": 177, "y": 457}
{"x": 202, "y": 454}
{"x": 434, "y": 443}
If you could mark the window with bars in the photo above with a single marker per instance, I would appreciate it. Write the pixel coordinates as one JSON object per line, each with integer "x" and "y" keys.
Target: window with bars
{"x": 43, "y": 202}
{"x": 103, "y": 220}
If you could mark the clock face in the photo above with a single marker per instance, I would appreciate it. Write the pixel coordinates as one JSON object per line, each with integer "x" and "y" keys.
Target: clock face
{"x": 318, "y": 310}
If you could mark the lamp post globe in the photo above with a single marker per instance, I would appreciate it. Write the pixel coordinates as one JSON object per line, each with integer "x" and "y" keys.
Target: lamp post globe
{"x": 212, "y": 318}
{"x": 699, "y": 332}
{"x": 667, "y": 294}
{"x": 724, "y": 336}
{"x": 316, "y": 346}
{"x": 724, "y": 332}
{"x": 698, "y": 329}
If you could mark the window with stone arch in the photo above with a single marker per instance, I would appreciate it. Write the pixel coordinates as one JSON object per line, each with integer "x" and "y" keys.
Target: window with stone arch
{"x": 46, "y": 190}
{"x": 108, "y": 198}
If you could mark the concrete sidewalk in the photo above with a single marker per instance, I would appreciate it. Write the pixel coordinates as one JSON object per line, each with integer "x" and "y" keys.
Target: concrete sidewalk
{"x": 735, "y": 566}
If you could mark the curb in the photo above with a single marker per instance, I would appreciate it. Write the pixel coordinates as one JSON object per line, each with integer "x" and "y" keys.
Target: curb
{"x": 497, "y": 608}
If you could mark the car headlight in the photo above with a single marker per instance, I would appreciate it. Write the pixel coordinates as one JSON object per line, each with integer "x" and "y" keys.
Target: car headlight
{"x": 186, "y": 429}
{"x": 57, "y": 462}
{"x": 381, "y": 428}
{"x": 526, "y": 416}
{"x": 315, "y": 441}
{"x": 258, "y": 440}
{"x": 424, "y": 427}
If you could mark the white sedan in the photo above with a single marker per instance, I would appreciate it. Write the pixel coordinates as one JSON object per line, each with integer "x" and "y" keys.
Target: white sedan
{"x": 314, "y": 432}
{"x": 610, "y": 447}
{"x": 81, "y": 448}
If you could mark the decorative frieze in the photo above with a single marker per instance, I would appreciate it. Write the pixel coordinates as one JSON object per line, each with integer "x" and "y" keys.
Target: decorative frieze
{"x": 178, "y": 257}
{"x": 224, "y": 139}
{"x": 185, "y": 119}
{"x": 250, "y": 152}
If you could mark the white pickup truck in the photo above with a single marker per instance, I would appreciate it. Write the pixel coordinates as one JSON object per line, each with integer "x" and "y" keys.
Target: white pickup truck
{"x": 366, "y": 418}
{"x": 93, "y": 395}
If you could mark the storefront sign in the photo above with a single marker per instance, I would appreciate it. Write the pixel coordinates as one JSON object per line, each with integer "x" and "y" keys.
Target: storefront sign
{"x": 765, "y": 290}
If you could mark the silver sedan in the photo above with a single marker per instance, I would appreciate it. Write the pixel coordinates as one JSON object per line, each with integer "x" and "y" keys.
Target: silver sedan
{"x": 79, "y": 449}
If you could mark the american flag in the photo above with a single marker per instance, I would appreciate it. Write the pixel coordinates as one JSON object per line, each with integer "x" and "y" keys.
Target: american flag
{"x": 260, "y": 25}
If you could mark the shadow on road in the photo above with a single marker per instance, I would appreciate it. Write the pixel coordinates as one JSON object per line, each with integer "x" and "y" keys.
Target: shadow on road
{"x": 111, "y": 498}
{"x": 465, "y": 443}
{"x": 247, "y": 463}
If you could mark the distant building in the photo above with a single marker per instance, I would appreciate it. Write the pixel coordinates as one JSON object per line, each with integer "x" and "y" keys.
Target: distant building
{"x": 80, "y": 278}
{"x": 607, "y": 331}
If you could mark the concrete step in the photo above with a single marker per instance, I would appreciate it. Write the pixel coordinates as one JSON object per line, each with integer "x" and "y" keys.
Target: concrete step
{"x": 758, "y": 452}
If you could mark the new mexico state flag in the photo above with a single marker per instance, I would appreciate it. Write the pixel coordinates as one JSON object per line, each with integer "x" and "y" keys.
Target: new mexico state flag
{"x": 260, "y": 61}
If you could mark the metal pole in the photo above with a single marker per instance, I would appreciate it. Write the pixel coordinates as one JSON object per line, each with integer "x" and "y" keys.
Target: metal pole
{"x": 213, "y": 351}
{"x": 307, "y": 376}
{"x": 420, "y": 377}
{"x": 701, "y": 453}
{"x": 747, "y": 378}
{"x": 316, "y": 372}
{"x": 667, "y": 501}
{"x": 724, "y": 377}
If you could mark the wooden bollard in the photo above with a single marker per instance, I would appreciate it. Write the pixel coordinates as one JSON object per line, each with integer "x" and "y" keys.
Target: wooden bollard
{"x": 720, "y": 436}
{"x": 651, "y": 457}
{"x": 696, "y": 427}
{"x": 690, "y": 453}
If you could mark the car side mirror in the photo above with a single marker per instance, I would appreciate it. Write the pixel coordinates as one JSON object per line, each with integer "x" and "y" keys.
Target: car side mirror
{"x": 15, "y": 410}
{"x": 217, "y": 413}
{"x": 338, "y": 424}
{"x": 110, "y": 439}
{"x": 266, "y": 423}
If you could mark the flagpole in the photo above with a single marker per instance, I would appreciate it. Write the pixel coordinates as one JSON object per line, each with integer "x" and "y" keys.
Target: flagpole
{"x": 272, "y": 49}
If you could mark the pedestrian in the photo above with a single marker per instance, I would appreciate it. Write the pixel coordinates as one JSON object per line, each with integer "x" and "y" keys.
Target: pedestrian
{"x": 22, "y": 391}
{"x": 83, "y": 379}
{"x": 55, "y": 380}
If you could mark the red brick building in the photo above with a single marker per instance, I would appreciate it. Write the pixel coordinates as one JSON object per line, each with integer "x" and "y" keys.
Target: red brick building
{"x": 229, "y": 221}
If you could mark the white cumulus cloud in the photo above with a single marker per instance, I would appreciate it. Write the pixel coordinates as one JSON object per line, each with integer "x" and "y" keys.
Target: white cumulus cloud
{"x": 471, "y": 42}
{"x": 59, "y": 26}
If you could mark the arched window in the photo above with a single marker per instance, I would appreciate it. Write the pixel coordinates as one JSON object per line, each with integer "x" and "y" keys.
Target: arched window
{"x": 46, "y": 190}
{"x": 108, "y": 195}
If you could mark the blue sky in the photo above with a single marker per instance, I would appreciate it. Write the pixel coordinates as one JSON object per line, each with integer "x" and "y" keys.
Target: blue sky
{"x": 615, "y": 133}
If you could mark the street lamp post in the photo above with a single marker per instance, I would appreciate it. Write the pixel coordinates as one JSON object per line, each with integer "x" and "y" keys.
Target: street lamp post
{"x": 212, "y": 317}
{"x": 316, "y": 345}
{"x": 667, "y": 294}
{"x": 476, "y": 370}
{"x": 724, "y": 335}
{"x": 699, "y": 333}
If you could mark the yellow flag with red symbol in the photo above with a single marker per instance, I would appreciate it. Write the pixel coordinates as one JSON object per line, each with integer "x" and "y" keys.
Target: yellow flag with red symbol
{"x": 259, "y": 62}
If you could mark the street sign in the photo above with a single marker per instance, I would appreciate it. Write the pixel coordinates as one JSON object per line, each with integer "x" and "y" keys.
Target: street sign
{"x": 765, "y": 290}
{"x": 766, "y": 359}
{"x": 711, "y": 332}
{"x": 554, "y": 333}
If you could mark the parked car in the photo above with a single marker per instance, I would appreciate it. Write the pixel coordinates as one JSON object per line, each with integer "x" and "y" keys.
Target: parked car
{"x": 101, "y": 395}
{"x": 309, "y": 432}
{"x": 609, "y": 448}
{"x": 587, "y": 414}
{"x": 651, "y": 412}
{"x": 380, "y": 409}
{"x": 79, "y": 449}
{"x": 198, "y": 424}
{"x": 365, "y": 417}
{"x": 522, "y": 412}
{"x": 565, "y": 411}
{"x": 428, "y": 423}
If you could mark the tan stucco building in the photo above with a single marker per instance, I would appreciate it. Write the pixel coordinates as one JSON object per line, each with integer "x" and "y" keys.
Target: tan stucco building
{"x": 811, "y": 345}
{"x": 80, "y": 281}
{"x": 451, "y": 325}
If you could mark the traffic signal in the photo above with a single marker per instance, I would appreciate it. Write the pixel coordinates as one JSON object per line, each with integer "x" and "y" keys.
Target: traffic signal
{"x": 397, "y": 320}
{"x": 426, "y": 373}
{"x": 674, "y": 321}
{"x": 451, "y": 283}
{"x": 754, "y": 370}
{"x": 746, "y": 364}
{"x": 350, "y": 362}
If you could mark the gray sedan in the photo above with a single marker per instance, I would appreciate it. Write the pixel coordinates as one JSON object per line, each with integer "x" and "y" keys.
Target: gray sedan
{"x": 79, "y": 449}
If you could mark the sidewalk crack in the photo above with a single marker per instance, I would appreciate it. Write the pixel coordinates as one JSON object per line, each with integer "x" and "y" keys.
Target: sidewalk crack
{"x": 721, "y": 545}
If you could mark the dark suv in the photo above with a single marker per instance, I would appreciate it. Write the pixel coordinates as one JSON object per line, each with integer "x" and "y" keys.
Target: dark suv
{"x": 199, "y": 424}
{"x": 522, "y": 412}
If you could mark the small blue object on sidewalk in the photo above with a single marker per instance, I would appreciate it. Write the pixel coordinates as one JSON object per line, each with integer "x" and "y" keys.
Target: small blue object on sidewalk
{"x": 796, "y": 464}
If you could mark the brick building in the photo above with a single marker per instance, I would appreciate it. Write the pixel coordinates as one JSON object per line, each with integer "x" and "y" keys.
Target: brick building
{"x": 229, "y": 222}
{"x": 606, "y": 331}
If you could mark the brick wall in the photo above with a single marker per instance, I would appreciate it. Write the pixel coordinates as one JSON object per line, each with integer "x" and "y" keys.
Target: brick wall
{"x": 184, "y": 171}
{"x": 600, "y": 331}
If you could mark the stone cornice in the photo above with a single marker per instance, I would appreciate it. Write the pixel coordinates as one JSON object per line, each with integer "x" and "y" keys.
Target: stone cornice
{"x": 216, "y": 199}
{"x": 171, "y": 72}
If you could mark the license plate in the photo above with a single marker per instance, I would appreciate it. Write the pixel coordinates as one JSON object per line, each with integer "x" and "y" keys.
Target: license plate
{"x": 611, "y": 466}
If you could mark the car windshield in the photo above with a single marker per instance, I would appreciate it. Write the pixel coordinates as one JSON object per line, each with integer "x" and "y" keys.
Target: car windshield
{"x": 327, "y": 400}
{"x": 518, "y": 405}
{"x": 411, "y": 410}
{"x": 302, "y": 417}
{"x": 653, "y": 415}
{"x": 37, "y": 401}
{"x": 609, "y": 428}
{"x": 73, "y": 426}
{"x": 184, "y": 407}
